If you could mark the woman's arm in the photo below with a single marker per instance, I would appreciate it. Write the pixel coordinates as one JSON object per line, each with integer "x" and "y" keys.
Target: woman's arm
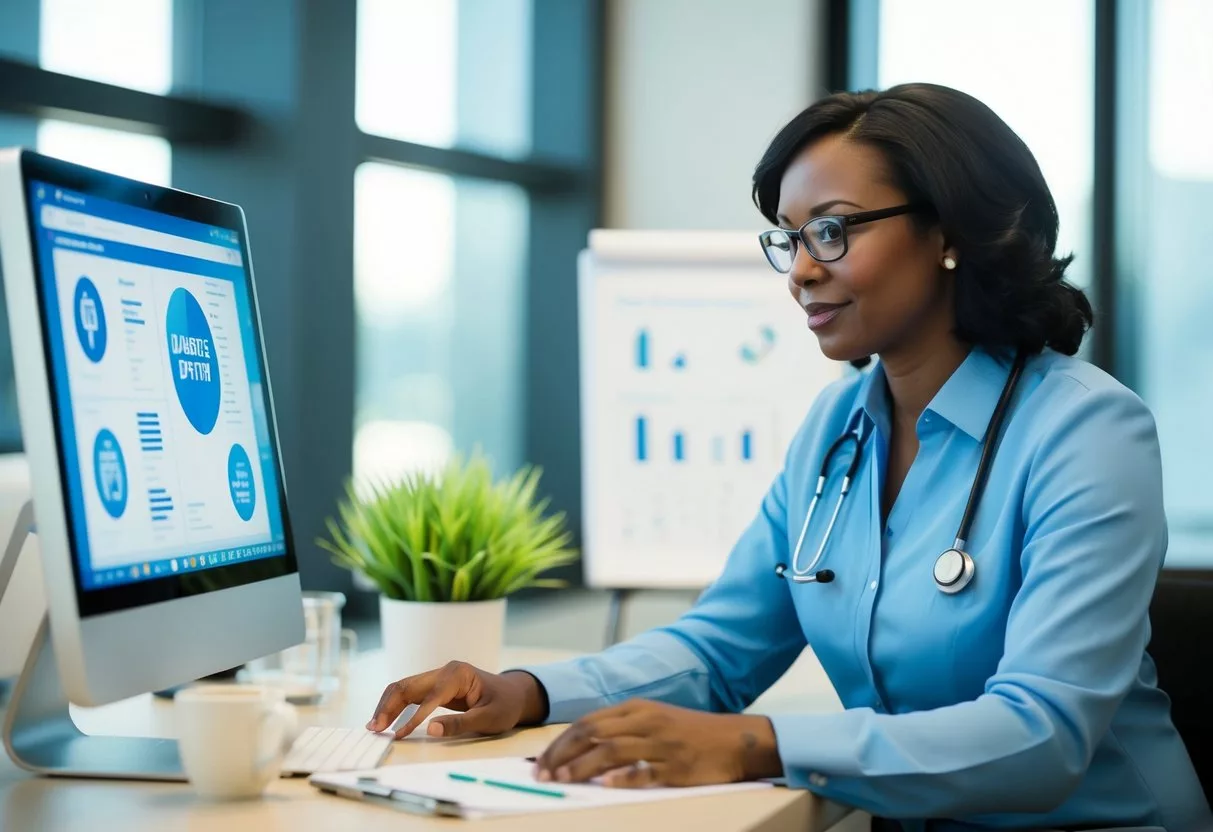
{"x": 1095, "y": 538}
{"x": 738, "y": 639}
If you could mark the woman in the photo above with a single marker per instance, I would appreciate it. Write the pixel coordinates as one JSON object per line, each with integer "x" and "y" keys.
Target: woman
{"x": 1007, "y": 690}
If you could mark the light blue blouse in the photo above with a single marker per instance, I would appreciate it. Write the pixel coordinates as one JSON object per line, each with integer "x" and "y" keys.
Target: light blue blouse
{"x": 1026, "y": 700}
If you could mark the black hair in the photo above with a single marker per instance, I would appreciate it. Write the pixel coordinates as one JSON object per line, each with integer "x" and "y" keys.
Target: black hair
{"x": 952, "y": 153}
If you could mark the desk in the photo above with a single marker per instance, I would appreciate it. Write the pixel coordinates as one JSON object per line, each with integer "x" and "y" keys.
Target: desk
{"x": 33, "y": 804}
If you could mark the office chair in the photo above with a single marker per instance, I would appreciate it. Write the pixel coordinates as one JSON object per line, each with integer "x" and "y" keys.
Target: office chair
{"x": 1181, "y": 618}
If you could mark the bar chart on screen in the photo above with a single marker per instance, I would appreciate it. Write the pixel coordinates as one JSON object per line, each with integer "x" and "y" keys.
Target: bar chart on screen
{"x": 697, "y": 370}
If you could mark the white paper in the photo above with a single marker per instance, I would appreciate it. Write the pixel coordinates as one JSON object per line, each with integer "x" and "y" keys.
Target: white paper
{"x": 479, "y": 800}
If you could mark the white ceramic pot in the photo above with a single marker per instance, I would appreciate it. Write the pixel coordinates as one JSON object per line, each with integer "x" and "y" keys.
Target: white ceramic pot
{"x": 420, "y": 636}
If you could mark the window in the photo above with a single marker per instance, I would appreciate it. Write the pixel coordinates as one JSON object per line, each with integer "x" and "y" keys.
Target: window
{"x": 1181, "y": 74}
{"x": 1032, "y": 63}
{"x": 128, "y": 43}
{"x": 1167, "y": 225}
{"x": 123, "y": 42}
{"x": 440, "y": 257}
{"x": 438, "y": 282}
{"x": 446, "y": 72}
{"x": 146, "y": 158}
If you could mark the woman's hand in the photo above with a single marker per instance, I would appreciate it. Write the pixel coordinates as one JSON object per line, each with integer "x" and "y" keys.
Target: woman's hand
{"x": 492, "y": 703}
{"x": 641, "y": 743}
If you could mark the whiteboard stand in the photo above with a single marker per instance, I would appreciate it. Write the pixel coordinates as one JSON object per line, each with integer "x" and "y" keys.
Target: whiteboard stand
{"x": 614, "y": 627}
{"x": 696, "y": 371}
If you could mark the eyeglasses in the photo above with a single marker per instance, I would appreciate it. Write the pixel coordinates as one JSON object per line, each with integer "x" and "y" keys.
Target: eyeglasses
{"x": 824, "y": 238}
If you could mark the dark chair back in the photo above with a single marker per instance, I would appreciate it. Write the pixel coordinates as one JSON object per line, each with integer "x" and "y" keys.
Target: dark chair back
{"x": 1181, "y": 618}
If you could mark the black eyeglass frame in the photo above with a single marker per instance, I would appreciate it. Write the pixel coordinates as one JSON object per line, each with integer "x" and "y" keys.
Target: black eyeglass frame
{"x": 845, "y": 221}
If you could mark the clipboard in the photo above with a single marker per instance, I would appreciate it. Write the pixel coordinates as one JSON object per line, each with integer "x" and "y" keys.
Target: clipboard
{"x": 371, "y": 791}
{"x": 371, "y": 787}
{"x": 460, "y": 789}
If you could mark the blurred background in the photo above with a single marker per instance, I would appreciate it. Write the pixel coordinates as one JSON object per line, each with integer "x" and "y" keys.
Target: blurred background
{"x": 419, "y": 176}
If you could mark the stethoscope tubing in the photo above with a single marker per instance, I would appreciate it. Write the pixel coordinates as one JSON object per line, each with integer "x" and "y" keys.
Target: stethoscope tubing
{"x": 810, "y": 574}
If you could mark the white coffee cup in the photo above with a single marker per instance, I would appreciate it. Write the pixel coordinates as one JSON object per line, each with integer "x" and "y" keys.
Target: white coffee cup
{"x": 232, "y": 737}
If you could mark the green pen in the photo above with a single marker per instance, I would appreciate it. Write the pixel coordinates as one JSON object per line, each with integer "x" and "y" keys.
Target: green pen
{"x": 501, "y": 784}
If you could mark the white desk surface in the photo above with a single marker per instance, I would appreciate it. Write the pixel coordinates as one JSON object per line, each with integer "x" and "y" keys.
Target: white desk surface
{"x": 33, "y": 804}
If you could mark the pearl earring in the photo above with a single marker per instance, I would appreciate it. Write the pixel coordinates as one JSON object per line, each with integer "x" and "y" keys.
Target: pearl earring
{"x": 949, "y": 262}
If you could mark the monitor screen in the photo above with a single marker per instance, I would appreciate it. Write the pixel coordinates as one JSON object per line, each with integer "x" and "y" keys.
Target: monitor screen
{"x": 168, "y": 457}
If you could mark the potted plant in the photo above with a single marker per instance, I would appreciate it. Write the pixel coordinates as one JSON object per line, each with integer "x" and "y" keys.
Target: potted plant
{"x": 445, "y": 550}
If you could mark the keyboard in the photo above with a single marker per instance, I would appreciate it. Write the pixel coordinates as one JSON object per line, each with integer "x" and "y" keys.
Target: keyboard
{"x": 335, "y": 749}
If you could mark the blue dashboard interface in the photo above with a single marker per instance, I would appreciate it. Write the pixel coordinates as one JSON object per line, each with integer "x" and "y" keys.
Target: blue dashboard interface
{"x": 157, "y": 372}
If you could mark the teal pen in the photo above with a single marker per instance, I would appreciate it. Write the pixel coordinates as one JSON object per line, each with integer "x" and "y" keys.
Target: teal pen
{"x": 501, "y": 784}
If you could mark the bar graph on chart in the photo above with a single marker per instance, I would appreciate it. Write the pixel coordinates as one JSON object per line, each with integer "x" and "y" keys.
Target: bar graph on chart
{"x": 160, "y": 504}
{"x": 715, "y": 446}
{"x": 132, "y": 312}
{"x": 151, "y": 436}
{"x": 642, "y": 439}
{"x": 642, "y": 351}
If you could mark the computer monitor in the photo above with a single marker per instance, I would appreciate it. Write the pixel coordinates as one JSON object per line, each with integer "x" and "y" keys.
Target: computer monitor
{"x": 148, "y": 426}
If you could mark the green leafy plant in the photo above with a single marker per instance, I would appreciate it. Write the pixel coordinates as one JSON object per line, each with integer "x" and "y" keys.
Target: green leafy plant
{"x": 454, "y": 535}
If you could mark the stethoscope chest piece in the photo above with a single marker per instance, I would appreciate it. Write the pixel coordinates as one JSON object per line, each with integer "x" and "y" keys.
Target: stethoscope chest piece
{"x": 954, "y": 569}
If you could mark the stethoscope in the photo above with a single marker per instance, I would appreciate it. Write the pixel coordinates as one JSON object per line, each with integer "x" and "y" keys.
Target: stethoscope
{"x": 954, "y": 568}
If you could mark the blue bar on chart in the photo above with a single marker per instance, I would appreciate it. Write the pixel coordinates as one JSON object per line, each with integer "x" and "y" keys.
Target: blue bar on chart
{"x": 679, "y": 449}
{"x": 150, "y": 437}
{"x": 747, "y": 447}
{"x": 131, "y": 312}
{"x": 642, "y": 452}
{"x": 642, "y": 349}
{"x": 718, "y": 448}
{"x": 160, "y": 503}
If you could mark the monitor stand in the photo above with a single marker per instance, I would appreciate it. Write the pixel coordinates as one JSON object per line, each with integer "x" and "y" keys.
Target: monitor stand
{"x": 39, "y": 733}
